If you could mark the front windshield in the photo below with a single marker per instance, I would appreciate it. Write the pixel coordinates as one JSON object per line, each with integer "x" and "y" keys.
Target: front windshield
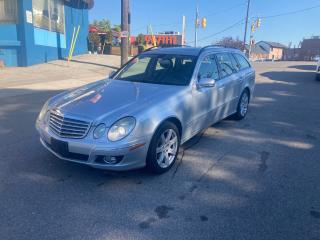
{"x": 166, "y": 69}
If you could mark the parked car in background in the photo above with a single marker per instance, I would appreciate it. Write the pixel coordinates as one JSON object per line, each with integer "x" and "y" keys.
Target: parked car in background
{"x": 318, "y": 71}
{"x": 143, "y": 113}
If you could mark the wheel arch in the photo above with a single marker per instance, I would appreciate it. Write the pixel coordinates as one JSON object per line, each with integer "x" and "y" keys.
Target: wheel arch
{"x": 173, "y": 119}
{"x": 247, "y": 88}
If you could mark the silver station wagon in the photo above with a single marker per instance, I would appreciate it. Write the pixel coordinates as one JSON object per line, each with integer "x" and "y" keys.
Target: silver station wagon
{"x": 142, "y": 113}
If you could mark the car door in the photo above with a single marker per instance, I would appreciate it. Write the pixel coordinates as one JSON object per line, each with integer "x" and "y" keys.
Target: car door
{"x": 205, "y": 99}
{"x": 246, "y": 74}
{"x": 227, "y": 87}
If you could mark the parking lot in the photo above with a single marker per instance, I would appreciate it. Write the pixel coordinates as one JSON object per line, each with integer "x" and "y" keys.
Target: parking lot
{"x": 254, "y": 179}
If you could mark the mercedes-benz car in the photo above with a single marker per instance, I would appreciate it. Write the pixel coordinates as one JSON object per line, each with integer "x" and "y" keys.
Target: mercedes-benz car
{"x": 141, "y": 114}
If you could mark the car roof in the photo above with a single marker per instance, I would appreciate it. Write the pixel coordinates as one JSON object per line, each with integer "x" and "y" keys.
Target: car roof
{"x": 192, "y": 51}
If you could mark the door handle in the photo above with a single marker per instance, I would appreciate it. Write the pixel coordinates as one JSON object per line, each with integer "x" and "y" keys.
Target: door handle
{"x": 221, "y": 87}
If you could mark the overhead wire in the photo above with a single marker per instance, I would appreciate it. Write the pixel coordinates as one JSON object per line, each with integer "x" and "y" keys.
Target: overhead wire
{"x": 240, "y": 22}
{"x": 207, "y": 15}
{"x": 262, "y": 17}
{"x": 291, "y": 12}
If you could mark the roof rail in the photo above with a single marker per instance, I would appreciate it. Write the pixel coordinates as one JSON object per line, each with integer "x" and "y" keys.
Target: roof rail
{"x": 150, "y": 48}
{"x": 165, "y": 46}
{"x": 215, "y": 46}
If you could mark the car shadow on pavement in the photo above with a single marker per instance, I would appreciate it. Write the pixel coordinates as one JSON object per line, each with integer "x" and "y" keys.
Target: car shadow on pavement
{"x": 97, "y": 64}
{"x": 311, "y": 67}
{"x": 250, "y": 174}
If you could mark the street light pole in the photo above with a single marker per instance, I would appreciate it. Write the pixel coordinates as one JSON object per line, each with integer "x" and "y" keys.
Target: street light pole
{"x": 196, "y": 27}
{"x": 124, "y": 30}
{"x": 183, "y": 30}
{"x": 246, "y": 26}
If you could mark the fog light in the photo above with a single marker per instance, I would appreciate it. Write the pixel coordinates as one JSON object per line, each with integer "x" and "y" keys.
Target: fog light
{"x": 109, "y": 159}
{"x": 112, "y": 160}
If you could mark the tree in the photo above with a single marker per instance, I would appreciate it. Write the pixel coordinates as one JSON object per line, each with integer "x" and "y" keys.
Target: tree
{"x": 94, "y": 40}
{"x": 116, "y": 28}
{"x": 109, "y": 37}
{"x": 140, "y": 40}
{"x": 231, "y": 42}
{"x": 103, "y": 25}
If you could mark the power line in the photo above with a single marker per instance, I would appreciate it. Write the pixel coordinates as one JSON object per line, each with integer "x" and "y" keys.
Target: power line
{"x": 240, "y": 22}
{"x": 207, "y": 15}
{"x": 158, "y": 25}
{"x": 290, "y": 13}
{"x": 225, "y": 10}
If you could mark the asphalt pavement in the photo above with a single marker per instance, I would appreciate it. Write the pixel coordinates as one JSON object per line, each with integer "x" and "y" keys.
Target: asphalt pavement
{"x": 257, "y": 179}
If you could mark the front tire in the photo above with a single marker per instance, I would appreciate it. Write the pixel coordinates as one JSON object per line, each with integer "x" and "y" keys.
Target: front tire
{"x": 164, "y": 148}
{"x": 243, "y": 105}
{"x": 318, "y": 77}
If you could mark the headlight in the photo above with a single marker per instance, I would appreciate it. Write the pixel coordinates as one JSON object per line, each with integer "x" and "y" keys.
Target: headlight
{"x": 46, "y": 117}
{"x": 43, "y": 111}
{"x": 99, "y": 131}
{"x": 121, "y": 129}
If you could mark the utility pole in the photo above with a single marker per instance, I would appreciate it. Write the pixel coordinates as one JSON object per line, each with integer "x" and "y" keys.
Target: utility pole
{"x": 246, "y": 26}
{"x": 255, "y": 25}
{"x": 129, "y": 27}
{"x": 124, "y": 30}
{"x": 183, "y": 30}
{"x": 196, "y": 25}
{"x": 251, "y": 40}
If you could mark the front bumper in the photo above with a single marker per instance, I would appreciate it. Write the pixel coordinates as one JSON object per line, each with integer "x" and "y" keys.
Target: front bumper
{"x": 92, "y": 153}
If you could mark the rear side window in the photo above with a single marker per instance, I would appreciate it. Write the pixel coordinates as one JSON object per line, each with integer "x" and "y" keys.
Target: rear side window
{"x": 209, "y": 68}
{"x": 234, "y": 63}
{"x": 243, "y": 63}
{"x": 225, "y": 64}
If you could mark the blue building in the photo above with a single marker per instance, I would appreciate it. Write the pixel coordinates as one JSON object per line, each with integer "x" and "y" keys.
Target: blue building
{"x": 38, "y": 31}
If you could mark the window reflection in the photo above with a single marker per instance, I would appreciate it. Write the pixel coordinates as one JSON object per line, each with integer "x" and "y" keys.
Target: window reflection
{"x": 48, "y": 14}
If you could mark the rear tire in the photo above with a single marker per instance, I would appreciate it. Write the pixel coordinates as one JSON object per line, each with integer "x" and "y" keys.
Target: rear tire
{"x": 318, "y": 77}
{"x": 164, "y": 148}
{"x": 243, "y": 105}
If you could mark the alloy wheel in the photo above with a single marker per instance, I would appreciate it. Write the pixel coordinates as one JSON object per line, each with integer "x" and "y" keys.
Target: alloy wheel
{"x": 244, "y": 104}
{"x": 167, "y": 147}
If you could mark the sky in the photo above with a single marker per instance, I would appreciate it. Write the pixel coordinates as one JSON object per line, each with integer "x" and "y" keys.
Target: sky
{"x": 224, "y": 18}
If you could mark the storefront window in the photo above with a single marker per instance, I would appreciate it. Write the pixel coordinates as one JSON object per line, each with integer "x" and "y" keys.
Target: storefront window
{"x": 48, "y": 14}
{"x": 8, "y": 11}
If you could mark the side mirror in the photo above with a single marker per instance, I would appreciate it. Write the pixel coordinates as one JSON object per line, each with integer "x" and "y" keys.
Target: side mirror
{"x": 111, "y": 74}
{"x": 206, "y": 83}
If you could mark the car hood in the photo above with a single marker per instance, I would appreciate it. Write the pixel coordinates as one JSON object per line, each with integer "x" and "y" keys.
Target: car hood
{"x": 110, "y": 98}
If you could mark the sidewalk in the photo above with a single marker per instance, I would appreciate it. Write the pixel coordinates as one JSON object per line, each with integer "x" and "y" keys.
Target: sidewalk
{"x": 56, "y": 75}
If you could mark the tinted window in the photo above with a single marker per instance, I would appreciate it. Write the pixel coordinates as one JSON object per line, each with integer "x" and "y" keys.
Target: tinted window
{"x": 242, "y": 61}
{"x": 137, "y": 67}
{"x": 208, "y": 68}
{"x": 234, "y": 63}
{"x": 225, "y": 63}
{"x": 166, "y": 69}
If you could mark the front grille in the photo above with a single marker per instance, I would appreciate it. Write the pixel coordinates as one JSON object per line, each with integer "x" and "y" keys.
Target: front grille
{"x": 66, "y": 127}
